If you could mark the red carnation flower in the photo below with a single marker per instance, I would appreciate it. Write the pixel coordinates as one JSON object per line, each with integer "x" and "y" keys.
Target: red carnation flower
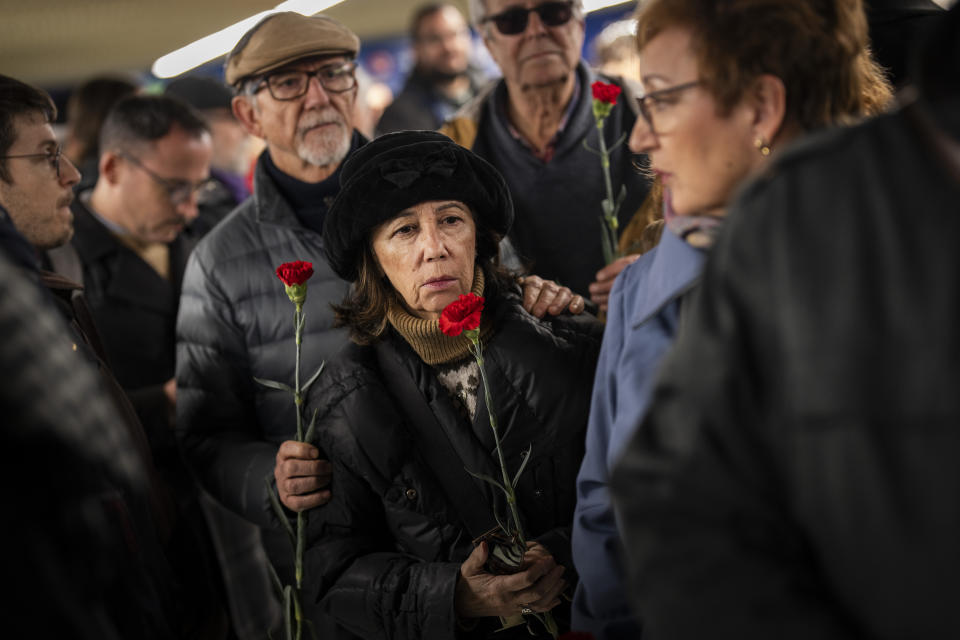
{"x": 463, "y": 314}
{"x": 295, "y": 273}
{"x": 605, "y": 92}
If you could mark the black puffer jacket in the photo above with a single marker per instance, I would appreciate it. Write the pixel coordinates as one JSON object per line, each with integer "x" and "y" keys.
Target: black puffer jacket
{"x": 235, "y": 323}
{"x": 386, "y": 551}
{"x": 797, "y": 474}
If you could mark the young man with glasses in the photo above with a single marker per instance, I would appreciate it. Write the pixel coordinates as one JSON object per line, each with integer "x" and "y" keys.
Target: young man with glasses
{"x": 154, "y": 160}
{"x": 36, "y": 179}
{"x": 153, "y": 578}
{"x": 532, "y": 126}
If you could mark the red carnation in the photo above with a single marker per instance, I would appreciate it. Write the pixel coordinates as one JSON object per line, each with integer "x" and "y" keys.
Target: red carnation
{"x": 605, "y": 92}
{"x": 295, "y": 273}
{"x": 463, "y": 314}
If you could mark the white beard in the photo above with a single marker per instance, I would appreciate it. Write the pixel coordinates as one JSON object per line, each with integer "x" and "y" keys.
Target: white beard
{"x": 327, "y": 147}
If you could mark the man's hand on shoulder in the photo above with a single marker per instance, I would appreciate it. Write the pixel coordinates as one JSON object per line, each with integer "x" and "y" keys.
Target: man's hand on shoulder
{"x": 546, "y": 296}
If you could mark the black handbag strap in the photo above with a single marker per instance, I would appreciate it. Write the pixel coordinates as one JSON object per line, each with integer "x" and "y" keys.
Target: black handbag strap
{"x": 434, "y": 445}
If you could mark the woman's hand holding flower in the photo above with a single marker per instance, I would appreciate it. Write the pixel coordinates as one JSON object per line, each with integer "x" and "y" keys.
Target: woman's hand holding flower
{"x": 537, "y": 586}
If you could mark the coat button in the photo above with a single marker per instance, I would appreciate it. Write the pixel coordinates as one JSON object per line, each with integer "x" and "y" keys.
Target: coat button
{"x": 411, "y": 494}
{"x": 538, "y": 493}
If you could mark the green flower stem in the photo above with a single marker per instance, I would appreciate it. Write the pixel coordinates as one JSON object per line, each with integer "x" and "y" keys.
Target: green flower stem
{"x": 474, "y": 337}
{"x": 301, "y": 517}
{"x": 605, "y": 161}
{"x": 609, "y": 213}
{"x": 297, "y": 399}
{"x": 298, "y": 614}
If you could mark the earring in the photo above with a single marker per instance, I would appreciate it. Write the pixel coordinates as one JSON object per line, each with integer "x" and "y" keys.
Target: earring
{"x": 761, "y": 146}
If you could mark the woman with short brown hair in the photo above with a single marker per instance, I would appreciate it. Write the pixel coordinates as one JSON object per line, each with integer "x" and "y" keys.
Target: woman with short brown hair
{"x": 727, "y": 83}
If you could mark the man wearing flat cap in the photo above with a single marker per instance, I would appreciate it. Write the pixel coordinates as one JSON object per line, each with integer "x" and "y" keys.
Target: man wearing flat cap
{"x": 295, "y": 85}
{"x": 295, "y": 88}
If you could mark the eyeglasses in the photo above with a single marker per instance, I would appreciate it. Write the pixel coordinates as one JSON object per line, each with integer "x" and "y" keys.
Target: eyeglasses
{"x": 53, "y": 157}
{"x": 178, "y": 191}
{"x": 659, "y": 102}
{"x": 290, "y": 85}
{"x": 514, "y": 20}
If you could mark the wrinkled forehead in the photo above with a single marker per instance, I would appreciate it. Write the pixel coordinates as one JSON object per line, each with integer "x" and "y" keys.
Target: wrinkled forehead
{"x": 435, "y": 206}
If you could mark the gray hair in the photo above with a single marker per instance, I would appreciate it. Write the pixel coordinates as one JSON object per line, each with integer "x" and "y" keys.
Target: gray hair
{"x": 478, "y": 11}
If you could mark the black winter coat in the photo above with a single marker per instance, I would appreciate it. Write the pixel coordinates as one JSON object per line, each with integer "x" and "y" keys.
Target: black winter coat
{"x": 235, "y": 323}
{"x": 797, "y": 475}
{"x": 135, "y": 310}
{"x": 385, "y": 552}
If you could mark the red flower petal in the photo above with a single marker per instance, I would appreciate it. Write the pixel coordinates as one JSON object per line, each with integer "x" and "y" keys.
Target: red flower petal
{"x": 463, "y": 314}
{"x": 295, "y": 273}
{"x": 605, "y": 92}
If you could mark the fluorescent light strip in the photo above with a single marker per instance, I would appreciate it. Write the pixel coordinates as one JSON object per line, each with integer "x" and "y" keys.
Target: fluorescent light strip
{"x": 221, "y": 42}
{"x": 217, "y": 44}
{"x": 589, "y": 6}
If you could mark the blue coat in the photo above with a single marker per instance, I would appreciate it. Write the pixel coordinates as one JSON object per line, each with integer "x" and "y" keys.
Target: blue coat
{"x": 641, "y": 326}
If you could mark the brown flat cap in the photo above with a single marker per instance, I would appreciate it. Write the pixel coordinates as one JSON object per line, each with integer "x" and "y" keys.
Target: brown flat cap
{"x": 282, "y": 38}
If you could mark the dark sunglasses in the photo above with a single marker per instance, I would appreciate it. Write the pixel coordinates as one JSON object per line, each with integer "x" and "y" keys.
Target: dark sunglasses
{"x": 514, "y": 21}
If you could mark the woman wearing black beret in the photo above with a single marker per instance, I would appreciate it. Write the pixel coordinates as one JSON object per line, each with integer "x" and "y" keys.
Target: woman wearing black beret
{"x": 402, "y": 415}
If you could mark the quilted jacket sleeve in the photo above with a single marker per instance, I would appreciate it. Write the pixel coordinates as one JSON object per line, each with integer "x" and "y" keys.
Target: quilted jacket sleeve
{"x": 215, "y": 415}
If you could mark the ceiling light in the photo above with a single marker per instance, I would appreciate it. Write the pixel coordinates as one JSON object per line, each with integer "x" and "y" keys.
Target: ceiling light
{"x": 221, "y": 42}
{"x": 590, "y": 6}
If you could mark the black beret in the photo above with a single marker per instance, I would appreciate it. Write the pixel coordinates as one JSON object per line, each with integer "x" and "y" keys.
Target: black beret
{"x": 403, "y": 169}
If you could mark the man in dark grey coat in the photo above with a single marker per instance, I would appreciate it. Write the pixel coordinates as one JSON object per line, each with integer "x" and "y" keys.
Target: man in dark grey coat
{"x": 108, "y": 553}
{"x": 797, "y": 474}
{"x": 294, "y": 76}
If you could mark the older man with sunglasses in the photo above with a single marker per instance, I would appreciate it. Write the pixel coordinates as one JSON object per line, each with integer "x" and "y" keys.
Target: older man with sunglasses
{"x": 532, "y": 126}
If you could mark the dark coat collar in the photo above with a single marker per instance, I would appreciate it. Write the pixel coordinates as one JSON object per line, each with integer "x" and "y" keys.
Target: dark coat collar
{"x": 130, "y": 278}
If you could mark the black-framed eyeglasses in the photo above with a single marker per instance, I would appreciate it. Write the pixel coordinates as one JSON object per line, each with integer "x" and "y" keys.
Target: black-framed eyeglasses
{"x": 53, "y": 157}
{"x": 290, "y": 85}
{"x": 657, "y": 101}
{"x": 178, "y": 191}
{"x": 514, "y": 20}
